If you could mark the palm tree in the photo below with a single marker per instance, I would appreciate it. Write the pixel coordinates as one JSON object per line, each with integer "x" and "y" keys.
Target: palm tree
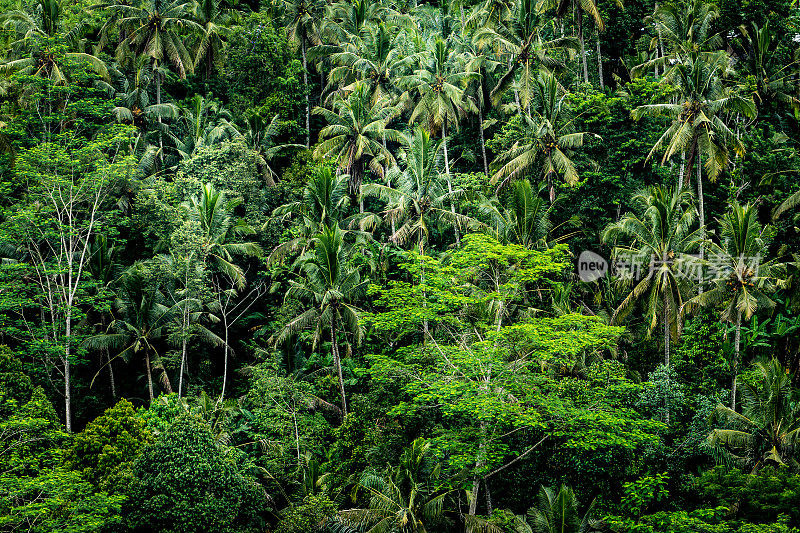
{"x": 523, "y": 218}
{"x": 303, "y": 22}
{"x": 155, "y": 29}
{"x": 660, "y": 238}
{"x": 330, "y": 283}
{"x": 556, "y": 512}
{"x": 698, "y": 130}
{"x": 211, "y": 47}
{"x": 562, "y": 7}
{"x": 260, "y": 136}
{"x": 214, "y": 218}
{"x": 206, "y": 123}
{"x": 757, "y": 54}
{"x": 767, "y": 430}
{"x": 141, "y": 320}
{"x": 741, "y": 279}
{"x": 419, "y": 196}
{"x": 43, "y": 47}
{"x": 355, "y": 132}
{"x": 549, "y": 142}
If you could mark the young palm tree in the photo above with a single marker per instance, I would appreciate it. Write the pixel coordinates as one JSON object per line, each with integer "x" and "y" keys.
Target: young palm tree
{"x": 660, "y": 238}
{"x": 523, "y": 218}
{"x": 330, "y": 283}
{"x": 206, "y": 123}
{"x": 214, "y": 217}
{"x": 556, "y": 512}
{"x": 742, "y": 279}
{"x": 549, "y": 142}
{"x": 260, "y": 136}
{"x": 141, "y": 320}
{"x": 355, "y": 133}
{"x": 768, "y": 428}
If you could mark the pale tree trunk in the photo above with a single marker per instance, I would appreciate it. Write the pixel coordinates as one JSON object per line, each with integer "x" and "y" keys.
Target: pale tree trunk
{"x": 67, "y": 373}
{"x": 449, "y": 182}
{"x": 701, "y": 212}
{"x": 682, "y": 170}
{"x": 666, "y": 347}
{"x": 599, "y": 62}
{"x": 736, "y": 347}
{"x": 422, "y": 282}
{"x": 480, "y": 461}
{"x": 111, "y": 376}
{"x": 583, "y": 46}
{"x": 305, "y": 82}
{"x": 658, "y": 45}
{"x": 183, "y": 366}
{"x": 158, "y": 101}
{"x": 338, "y": 364}
{"x": 225, "y": 351}
{"x": 483, "y": 143}
{"x": 149, "y": 374}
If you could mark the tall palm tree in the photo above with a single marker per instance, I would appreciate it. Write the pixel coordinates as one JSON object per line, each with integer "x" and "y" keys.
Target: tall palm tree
{"x": 329, "y": 282}
{"x": 43, "y": 46}
{"x": 419, "y": 196}
{"x": 141, "y": 319}
{"x": 698, "y": 130}
{"x": 768, "y": 427}
{"x": 303, "y": 26}
{"x": 556, "y": 512}
{"x": 260, "y": 136}
{"x": 742, "y": 279}
{"x": 660, "y": 238}
{"x": 219, "y": 229}
{"x": 156, "y": 29}
{"x": 562, "y": 7}
{"x": 548, "y": 144}
{"x": 355, "y": 133}
{"x": 211, "y": 47}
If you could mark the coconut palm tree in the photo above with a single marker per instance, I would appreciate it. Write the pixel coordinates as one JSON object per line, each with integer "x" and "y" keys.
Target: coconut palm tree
{"x": 767, "y": 429}
{"x": 579, "y": 7}
{"x": 141, "y": 320}
{"x": 303, "y": 26}
{"x": 260, "y": 136}
{"x": 419, "y": 195}
{"x": 330, "y": 284}
{"x": 205, "y": 123}
{"x": 216, "y": 28}
{"x": 742, "y": 278}
{"x": 355, "y": 134}
{"x": 218, "y": 228}
{"x": 548, "y": 144}
{"x": 660, "y": 238}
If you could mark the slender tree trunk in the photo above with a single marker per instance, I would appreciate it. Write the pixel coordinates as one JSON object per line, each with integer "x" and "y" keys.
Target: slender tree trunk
{"x": 183, "y": 366}
{"x": 599, "y": 62}
{"x": 424, "y": 295}
{"x": 67, "y": 373}
{"x": 158, "y": 101}
{"x": 658, "y": 33}
{"x": 483, "y": 143}
{"x": 736, "y": 348}
{"x": 225, "y": 363}
{"x": 666, "y": 353}
{"x": 149, "y": 374}
{"x": 111, "y": 376}
{"x": 682, "y": 170}
{"x": 338, "y": 363}
{"x": 305, "y": 82}
{"x": 480, "y": 461}
{"x": 449, "y": 182}
{"x": 701, "y": 213}
{"x": 583, "y": 46}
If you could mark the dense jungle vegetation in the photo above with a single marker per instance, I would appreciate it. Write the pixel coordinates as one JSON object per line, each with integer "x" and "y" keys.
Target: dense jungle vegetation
{"x": 350, "y": 266}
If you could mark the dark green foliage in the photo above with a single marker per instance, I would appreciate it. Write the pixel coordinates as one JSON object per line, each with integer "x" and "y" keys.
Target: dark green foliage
{"x": 186, "y": 481}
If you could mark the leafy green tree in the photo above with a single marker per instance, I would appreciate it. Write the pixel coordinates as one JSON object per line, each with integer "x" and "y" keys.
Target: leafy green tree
{"x": 329, "y": 282}
{"x": 206, "y": 489}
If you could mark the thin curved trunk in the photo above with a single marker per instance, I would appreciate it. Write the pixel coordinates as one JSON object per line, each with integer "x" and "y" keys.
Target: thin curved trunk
{"x": 149, "y": 374}
{"x": 736, "y": 348}
{"x": 338, "y": 363}
{"x": 701, "y": 212}
{"x": 483, "y": 143}
{"x": 583, "y": 46}
{"x": 67, "y": 373}
{"x": 305, "y": 82}
{"x": 666, "y": 349}
{"x": 449, "y": 182}
{"x": 599, "y": 62}
{"x": 225, "y": 364}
